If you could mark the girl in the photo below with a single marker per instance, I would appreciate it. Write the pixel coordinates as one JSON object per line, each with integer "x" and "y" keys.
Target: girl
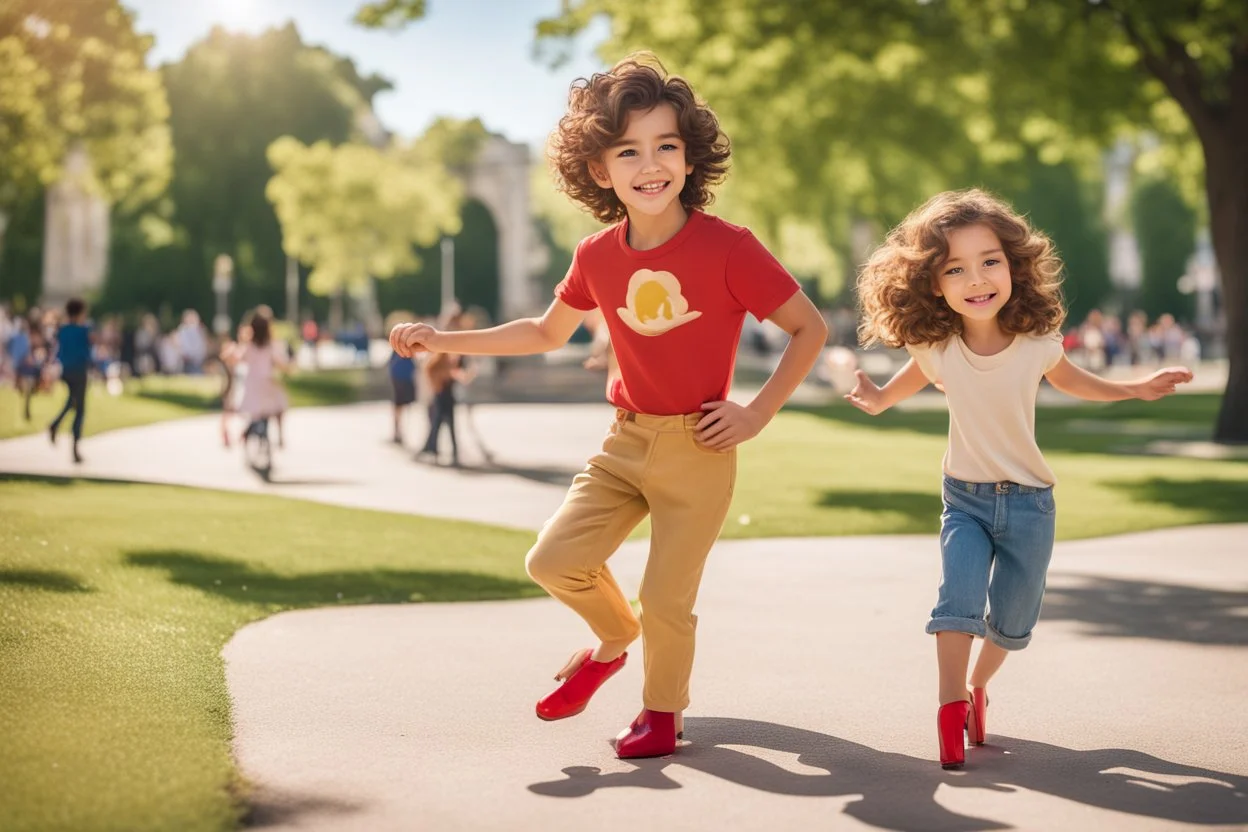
{"x": 641, "y": 152}
{"x": 263, "y": 396}
{"x": 973, "y": 293}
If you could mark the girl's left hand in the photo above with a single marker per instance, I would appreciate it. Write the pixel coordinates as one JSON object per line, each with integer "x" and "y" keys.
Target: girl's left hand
{"x": 1162, "y": 383}
{"x": 726, "y": 425}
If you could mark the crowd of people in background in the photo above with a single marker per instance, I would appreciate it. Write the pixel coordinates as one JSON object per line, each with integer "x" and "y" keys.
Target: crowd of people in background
{"x": 33, "y": 360}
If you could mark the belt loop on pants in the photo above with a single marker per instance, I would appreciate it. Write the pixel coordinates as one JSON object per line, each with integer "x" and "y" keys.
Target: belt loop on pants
{"x": 622, "y": 415}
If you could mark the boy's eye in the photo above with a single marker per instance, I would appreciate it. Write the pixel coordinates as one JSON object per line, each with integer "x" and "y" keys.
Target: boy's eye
{"x": 668, "y": 147}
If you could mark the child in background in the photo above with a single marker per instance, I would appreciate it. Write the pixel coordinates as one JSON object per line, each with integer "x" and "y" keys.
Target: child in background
{"x": 73, "y": 350}
{"x": 973, "y": 293}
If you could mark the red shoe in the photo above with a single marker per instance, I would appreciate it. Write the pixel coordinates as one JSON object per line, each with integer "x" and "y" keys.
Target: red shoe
{"x": 951, "y": 722}
{"x": 583, "y": 677}
{"x": 652, "y": 734}
{"x": 978, "y": 728}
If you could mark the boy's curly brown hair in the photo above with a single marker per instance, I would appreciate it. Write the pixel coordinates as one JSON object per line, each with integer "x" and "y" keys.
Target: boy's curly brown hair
{"x": 896, "y": 288}
{"x": 597, "y": 116}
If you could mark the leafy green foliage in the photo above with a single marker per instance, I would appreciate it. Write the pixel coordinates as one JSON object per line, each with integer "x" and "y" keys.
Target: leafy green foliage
{"x": 389, "y": 14}
{"x": 75, "y": 72}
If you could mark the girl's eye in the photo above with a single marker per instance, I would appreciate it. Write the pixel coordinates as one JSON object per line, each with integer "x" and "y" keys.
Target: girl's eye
{"x": 628, "y": 152}
{"x": 991, "y": 261}
{"x": 955, "y": 270}
{"x": 667, "y": 147}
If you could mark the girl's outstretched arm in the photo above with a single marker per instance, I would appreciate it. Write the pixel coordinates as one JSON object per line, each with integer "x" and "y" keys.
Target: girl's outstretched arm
{"x": 1077, "y": 382}
{"x": 869, "y": 398}
{"x": 520, "y": 337}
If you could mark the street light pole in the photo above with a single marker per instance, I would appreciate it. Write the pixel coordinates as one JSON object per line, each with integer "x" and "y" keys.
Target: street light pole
{"x": 222, "y": 280}
{"x": 292, "y": 290}
{"x": 448, "y": 275}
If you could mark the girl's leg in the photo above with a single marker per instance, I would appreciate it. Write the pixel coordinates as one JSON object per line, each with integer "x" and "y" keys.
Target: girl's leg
{"x": 953, "y": 657}
{"x": 281, "y": 432}
{"x": 991, "y": 657}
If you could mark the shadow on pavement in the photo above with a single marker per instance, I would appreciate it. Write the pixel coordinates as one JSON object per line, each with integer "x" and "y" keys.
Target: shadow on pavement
{"x": 269, "y": 807}
{"x": 1143, "y": 609}
{"x": 896, "y": 791}
{"x": 245, "y": 583}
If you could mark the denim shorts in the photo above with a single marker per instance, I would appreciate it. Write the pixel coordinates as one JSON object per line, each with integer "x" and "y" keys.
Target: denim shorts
{"x": 996, "y": 540}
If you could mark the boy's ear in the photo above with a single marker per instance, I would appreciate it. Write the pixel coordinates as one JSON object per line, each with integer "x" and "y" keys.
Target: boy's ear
{"x": 598, "y": 172}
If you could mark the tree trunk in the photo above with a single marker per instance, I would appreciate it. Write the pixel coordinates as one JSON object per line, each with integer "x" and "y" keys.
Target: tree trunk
{"x": 1226, "y": 172}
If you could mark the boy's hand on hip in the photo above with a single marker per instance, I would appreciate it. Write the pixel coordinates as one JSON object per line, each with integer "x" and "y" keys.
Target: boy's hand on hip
{"x": 726, "y": 425}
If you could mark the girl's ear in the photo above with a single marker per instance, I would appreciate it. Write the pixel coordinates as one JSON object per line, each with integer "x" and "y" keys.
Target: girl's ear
{"x": 598, "y": 172}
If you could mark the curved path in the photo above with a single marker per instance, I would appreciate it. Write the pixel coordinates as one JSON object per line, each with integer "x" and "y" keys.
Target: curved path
{"x": 814, "y": 691}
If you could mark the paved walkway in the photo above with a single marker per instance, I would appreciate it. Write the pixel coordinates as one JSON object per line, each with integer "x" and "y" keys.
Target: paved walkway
{"x": 814, "y": 690}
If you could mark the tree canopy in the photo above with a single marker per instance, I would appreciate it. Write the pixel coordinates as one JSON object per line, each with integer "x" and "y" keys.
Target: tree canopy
{"x": 864, "y": 108}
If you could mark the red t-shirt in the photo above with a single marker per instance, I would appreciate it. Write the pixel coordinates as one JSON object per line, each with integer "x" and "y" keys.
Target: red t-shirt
{"x": 675, "y": 312}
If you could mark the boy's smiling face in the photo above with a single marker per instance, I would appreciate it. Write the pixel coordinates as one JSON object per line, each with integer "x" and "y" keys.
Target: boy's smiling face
{"x": 646, "y": 168}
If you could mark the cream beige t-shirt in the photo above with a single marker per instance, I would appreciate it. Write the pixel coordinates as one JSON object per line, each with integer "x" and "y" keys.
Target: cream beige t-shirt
{"x": 992, "y": 407}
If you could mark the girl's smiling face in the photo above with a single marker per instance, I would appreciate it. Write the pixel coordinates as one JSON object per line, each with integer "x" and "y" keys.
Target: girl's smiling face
{"x": 975, "y": 278}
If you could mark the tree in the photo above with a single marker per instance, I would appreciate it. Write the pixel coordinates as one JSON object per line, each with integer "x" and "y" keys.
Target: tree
{"x": 863, "y": 108}
{"x": 75, "y": 72}
{"x": 1166, "y": 228}
{"x": 231, "y": 96}
{"x": 354, "y": 212}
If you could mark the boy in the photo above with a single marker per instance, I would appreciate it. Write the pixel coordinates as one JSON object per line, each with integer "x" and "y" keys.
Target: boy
{"x": 73, "y": 350}
{"x": 639, "y": 150}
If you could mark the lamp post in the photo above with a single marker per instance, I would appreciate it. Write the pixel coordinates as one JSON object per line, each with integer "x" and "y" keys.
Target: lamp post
{"x": 448, "y": 275}
{"x": 222, "y": 281}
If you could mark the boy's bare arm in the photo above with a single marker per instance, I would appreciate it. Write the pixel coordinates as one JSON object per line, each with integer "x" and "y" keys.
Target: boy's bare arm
{"x": 520, "y": 337}
{"x": 1077, "y": 382}
{"x": 727, "y": 424}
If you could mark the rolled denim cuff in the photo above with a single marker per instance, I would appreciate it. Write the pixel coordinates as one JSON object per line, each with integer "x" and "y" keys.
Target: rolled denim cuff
{"x": 1005, "y": 642}
{"x": 953, "y": 624}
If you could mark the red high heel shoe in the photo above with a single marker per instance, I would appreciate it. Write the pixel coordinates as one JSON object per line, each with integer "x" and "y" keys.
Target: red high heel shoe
{"x": 978, "y": 728}
{"x": 582, "y": 676}
{"x": 652, "y": 734}
{"x": 951, "y": 722}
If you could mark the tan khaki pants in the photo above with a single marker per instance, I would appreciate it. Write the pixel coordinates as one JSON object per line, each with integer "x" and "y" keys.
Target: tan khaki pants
{"x": 648, "y": 464}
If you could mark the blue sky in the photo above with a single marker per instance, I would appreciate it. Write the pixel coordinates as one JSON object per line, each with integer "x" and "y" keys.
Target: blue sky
{"x": 465, "y": 58}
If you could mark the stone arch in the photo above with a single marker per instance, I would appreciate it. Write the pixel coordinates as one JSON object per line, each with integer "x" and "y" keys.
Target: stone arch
{"x": 499, "y": 180}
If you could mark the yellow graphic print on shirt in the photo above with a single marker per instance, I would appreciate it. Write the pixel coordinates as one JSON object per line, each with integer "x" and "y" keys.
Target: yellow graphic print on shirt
{"x": 655, "y": 303}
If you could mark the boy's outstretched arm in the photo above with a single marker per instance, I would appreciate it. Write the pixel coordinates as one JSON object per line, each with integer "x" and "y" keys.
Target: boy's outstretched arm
{"x": 727, "y": 423}
{"x": 869, "y": 398}
{"x": 1077, "y": 382}
{"x": 520, "y": 337}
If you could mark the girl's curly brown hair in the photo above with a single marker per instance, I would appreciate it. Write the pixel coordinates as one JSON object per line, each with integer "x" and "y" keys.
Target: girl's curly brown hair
{"x": 896, "y": 288}
{"x": 597, "y": 116}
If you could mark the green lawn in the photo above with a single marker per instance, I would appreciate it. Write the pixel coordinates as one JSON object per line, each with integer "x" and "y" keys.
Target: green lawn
{"x": 115, "y": 602}
{"x": 116, "y": 599}
{"x": 157, "y": 398}
{"x": 837, "y": 471}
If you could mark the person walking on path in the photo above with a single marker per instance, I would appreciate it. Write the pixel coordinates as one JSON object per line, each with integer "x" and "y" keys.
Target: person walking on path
{"x": 642, "y": 152}
{"x": 402, "y": 372}
{"x": 973, "y": 293}
{"x": 263, "y": 397}
{"x": 73, "y": 351}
